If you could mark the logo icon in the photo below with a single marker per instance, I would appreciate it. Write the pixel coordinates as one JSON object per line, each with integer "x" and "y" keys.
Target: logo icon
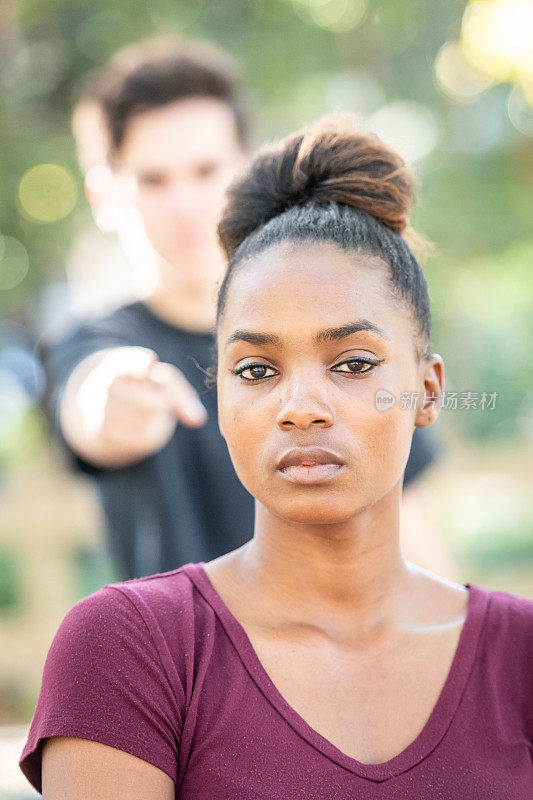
{"x": 384, "y": 400}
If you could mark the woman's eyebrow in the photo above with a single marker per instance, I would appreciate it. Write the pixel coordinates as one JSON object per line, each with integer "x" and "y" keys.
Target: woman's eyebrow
{"x": 320, "y": 337}
{"x": 332, "y": 334}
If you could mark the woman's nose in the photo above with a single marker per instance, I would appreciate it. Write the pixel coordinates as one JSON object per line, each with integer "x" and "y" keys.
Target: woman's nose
{"x": 303, "y": 409}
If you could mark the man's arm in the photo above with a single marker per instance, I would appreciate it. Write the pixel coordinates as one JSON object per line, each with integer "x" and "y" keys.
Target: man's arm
{"x": 121, "y": 404}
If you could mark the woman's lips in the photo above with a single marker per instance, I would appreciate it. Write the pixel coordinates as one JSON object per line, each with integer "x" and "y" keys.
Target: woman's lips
{"x": 309, "y": 465}
{"x": 315, "y": 473}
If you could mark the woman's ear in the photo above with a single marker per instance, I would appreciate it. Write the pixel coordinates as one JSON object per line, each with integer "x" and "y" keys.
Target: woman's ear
{"x": 433, "y": 387}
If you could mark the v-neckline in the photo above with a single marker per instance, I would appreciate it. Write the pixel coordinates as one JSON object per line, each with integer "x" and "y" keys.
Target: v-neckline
{"x": 437, "y": 723}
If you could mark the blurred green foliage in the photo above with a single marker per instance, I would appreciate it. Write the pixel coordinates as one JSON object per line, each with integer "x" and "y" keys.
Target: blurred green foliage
{"x": 92, "y": 568}
{"x": 10, "y": 580}
{"x": 498, "y": 548}
{"x": 476, "y": 184}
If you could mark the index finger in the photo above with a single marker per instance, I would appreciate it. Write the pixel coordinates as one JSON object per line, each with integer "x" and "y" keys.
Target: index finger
{"x": 182, "y": 398}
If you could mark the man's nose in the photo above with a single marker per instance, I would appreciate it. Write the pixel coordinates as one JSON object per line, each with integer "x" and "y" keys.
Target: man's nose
{"x": 183, "y": 199}
{"x": 302, "y": 407}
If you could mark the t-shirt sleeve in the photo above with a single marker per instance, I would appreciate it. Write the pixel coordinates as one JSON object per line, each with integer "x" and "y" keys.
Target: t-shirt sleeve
{"x": 104, "y": 680}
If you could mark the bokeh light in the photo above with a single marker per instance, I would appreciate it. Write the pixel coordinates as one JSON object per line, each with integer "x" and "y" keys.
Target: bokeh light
{"x": 520, "y": 111}
{"x": 409, "y": 127}
{"x": 47, "y": 193}
{"x": 357, "y": 90}
{"x": 332, "y": 15}
{"x": 496, "y": 46}
{"x": 480, "y": 127}
{"x": 458, "y": 78}
{"x": 14, "y": 262}
{"x": 497, "y": 36}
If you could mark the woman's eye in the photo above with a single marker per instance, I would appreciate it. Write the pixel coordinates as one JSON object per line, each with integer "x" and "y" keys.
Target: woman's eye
{"x": 355, "y": 366}
{"x": 360, "y": 366}
{"x": 256, "y": 370}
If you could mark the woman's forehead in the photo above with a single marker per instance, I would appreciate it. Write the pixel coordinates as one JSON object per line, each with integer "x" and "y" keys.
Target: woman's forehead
{"x": 317, "y": 259}
{"x": 312, "y": 285}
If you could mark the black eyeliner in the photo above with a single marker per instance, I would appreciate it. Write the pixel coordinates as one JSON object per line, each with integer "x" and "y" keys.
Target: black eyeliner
{"x": 370, "y": 361}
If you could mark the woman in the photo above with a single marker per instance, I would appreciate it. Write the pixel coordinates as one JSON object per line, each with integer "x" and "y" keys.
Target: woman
{"x": 314, "y": 661}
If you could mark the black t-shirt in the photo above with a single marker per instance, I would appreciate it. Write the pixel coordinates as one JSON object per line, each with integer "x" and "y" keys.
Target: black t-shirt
{"x": 184, "y": 503}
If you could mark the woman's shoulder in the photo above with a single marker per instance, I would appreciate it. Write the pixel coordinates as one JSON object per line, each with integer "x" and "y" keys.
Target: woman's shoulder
{"x": 494, "y": 617}
{"x": 507, "y": 630}
{"x": 510, "y": 609}
{"x": 145, "y": 628}
{"x": 161, "y": 609}
{"x": 116, "y": 672}
{"x": 501, "y": 607}
{"x": 174, "y": 588}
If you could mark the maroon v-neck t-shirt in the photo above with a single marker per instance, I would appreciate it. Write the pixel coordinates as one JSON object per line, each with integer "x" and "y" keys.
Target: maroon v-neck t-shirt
{"x": 160, "y": 668}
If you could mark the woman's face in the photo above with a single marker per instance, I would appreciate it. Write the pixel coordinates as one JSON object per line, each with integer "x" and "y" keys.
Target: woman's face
{"x": 317, "y": 389}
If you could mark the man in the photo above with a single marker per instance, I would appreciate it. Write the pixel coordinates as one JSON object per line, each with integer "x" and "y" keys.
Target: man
{"x": 128, "y": 390}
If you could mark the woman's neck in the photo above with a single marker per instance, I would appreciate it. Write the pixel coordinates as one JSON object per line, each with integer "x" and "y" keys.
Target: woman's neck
{"x": 352, "y": 572}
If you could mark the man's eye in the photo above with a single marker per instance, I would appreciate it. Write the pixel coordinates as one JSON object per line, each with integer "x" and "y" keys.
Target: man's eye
{"x": 360, "y": 366}
{"x": 206, "y": 170}
{"x": 255, "y": 369}
{"x": 151, "y": 180}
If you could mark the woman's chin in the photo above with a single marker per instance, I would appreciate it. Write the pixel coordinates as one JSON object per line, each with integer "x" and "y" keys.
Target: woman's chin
{"x": 306, "y": 512}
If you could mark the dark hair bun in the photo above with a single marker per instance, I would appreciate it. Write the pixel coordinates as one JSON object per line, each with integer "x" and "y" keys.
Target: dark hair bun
{"x": 332, "y": 160}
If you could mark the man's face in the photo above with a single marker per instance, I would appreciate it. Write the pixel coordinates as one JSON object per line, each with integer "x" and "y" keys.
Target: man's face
{"x": 176, "y": 162}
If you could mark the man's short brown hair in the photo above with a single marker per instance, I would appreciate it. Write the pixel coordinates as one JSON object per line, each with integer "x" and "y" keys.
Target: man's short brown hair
{"x": 157, "y": 72}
